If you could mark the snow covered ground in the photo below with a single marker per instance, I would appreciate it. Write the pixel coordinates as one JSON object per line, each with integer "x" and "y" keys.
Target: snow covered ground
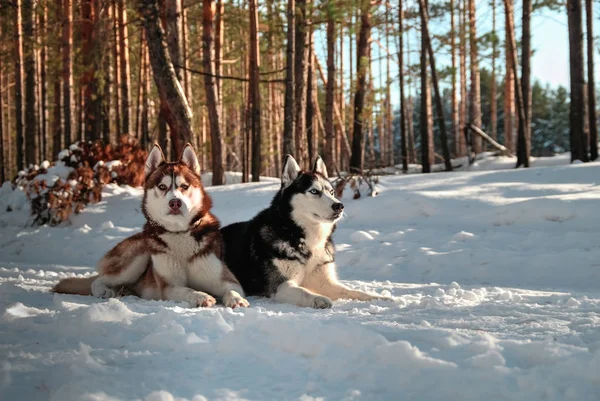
{"x": 495, "y": 277}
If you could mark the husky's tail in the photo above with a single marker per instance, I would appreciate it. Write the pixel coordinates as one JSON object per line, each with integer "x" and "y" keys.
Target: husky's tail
{"x": 75, "y": 285}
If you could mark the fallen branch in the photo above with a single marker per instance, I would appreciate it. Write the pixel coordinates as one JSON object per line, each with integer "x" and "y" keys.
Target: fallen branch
{"x": 500, "y": 148}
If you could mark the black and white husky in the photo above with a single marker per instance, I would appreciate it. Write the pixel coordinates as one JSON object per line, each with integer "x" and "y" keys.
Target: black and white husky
{"x": 286, "y": 251}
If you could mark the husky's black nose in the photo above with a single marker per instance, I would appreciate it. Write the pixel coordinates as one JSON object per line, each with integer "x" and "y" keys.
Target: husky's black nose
{"x": 337, "y": 207}
{"x": 175, "y": 204}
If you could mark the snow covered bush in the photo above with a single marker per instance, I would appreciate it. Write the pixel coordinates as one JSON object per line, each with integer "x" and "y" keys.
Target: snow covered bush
{"x": 62, "y": 188}
{"x": 365, "y": 182}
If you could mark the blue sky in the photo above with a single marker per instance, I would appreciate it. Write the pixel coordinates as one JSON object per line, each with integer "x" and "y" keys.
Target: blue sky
{"x": 550, "y": 42}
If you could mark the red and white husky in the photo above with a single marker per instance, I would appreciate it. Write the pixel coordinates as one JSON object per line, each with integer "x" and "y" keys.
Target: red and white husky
{"x": 179, "y": 254}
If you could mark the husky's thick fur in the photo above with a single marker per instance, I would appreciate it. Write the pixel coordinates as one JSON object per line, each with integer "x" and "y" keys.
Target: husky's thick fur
{"x": 286, "y": 251}
{"x": 179, "y": 254}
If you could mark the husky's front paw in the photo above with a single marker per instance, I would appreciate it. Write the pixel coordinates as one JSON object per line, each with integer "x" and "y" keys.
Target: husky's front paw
{"x": 101, "y": 290}
{"x": 321, "y": 302}
{"x": 201, "y": 299}
{"x": 233, "y": 300}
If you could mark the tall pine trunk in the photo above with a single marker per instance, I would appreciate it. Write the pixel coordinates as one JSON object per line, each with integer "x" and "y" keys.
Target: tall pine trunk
{"x": 524, "y": 138}
{"x": 174, "y": 35}
{"x": 289, "y": 146}
{"x": 438, "y": 97}
{"x": 330, "y": 91}
{"x": 31, "y": 145}
{"x": 512, "y": 51}
{"x": 210, "y": 86}
{"x": 124, "y": 65}
{"x": 388, "y": 89}
{"x": 461, "y": 148}
{"x": 67, "y": 36}
{"x": 509, "y": 91}
{"x": 591, "y": 85}
{"x": 4, "y": 167}
{"x": 255, "y": 91}
{"x": 43, "y": 84}
{"x": 177, "y": 112}
{"x": 18, "y": 48}
{"x": 362, "y": 70}
{"x": 577, "y": 80}
{"x": 92, "y": 53}
{"x": 454, "y": 104}
{"x": 57, "y": 115}
{"x": 493, "y": 89}
{"x": 475, "y": 114}
{"x": 301, "y": 72}
{"x": 403, "y": 106}
{"x": 311, "y": 128}
{"x": 425, "y": 120}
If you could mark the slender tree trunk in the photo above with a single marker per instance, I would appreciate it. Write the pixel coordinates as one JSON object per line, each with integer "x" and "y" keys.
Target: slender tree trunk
{"x": 493, "y": 90}
{"x": 475, "y": 116}
{"x": 116, "y": 53}
{"x": 426, "y": 126}
{"x": 174, "y": 35}
{"x": 509, "y": 92}
{"x": 43, "y": 18}
{"x": 219, "y": 39}
{"x": 92, "y": 54}
{"x": 576, "y": 114}
{"x": 255, "y": 91}
{"x": 8, "y": 147}
{"x": 301, "y": 71}
{"x": 523, "y": 144}
{"x": 330, "y": 92}
{"x": 362, "y": 70}
{"x": 145, "y": 131}
{"x": 310, "y": 110}
{"x": 454, "y": 118}
{"x": 4, "y": 167}
{"x": 514, "y": 64}
{"x": 345, "y": 163}
{"x": 591, "y": 85}
{"x": 289, "y": 146}
{"x": 67, "y": 71}
{"x": 56, "y": 115}
{"x": 178, "y": 114}
{"x": 124, "y": 64}
{"x": 19, "y": 87}
{"x": 210, "y": 85}
{"x": 403, "y": 117}
{"x": 461, "y": 149}
{"x": 140, "y": 87}
{"x": 107, "y": 86}
{"x": 388, "y": 84}
{"x": 438, "y": 97}
{"x": 172, "y": 24}
{"x": 187, "y": 77}
{"x": 31, "y": 145}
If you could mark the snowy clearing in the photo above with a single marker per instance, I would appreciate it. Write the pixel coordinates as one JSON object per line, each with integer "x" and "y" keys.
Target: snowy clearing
{"x": 495, "y": 277}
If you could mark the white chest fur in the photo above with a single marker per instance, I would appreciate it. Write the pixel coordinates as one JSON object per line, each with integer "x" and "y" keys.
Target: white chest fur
{"x": 181, "y": 246}
{"x": 315, "y": 241}
{"x": 182, "y": 265}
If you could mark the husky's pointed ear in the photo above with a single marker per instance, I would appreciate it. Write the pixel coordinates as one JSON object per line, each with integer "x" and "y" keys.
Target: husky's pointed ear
{"x": 320, "y": 167}
{"x": 189, "y": 158}
{"x": 155, "y": 158}
{"x": 290, "y": 171}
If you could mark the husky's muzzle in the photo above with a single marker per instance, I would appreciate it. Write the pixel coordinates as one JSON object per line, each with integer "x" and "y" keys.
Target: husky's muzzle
{"x": 338, "y": 209}
{"x": 175, "y": 206}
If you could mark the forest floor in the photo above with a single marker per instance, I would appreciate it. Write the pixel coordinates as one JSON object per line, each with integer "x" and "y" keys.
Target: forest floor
{"x": 495, "y": 279}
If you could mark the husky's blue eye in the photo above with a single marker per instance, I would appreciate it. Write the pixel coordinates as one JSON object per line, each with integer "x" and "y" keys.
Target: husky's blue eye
{"x": 314, "y": 191}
